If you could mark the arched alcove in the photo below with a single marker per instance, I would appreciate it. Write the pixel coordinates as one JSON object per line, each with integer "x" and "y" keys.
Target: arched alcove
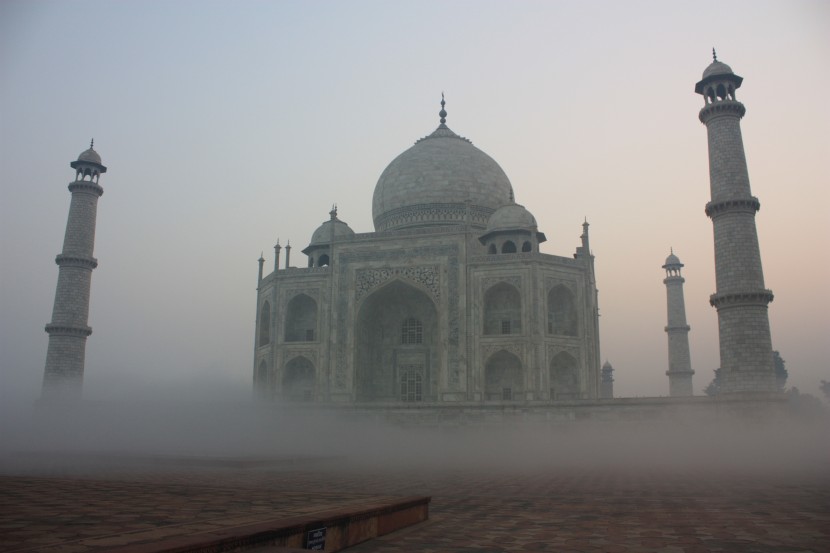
{"x": 562, "y": 316}
{"x": 503, "y": 377}
{"x": 301, "y": 319}
{"x": 298, "y": 380}
{"x": 564, "y": 377}
{"x": 502, "y": 310}
{"x": 265, "y": 324}
{"x": 261, "y": 377}
{"x": 396, "y": 345}
{"x": 508, "y": 247}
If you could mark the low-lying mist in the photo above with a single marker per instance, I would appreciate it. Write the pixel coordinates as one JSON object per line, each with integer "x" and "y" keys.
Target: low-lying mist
{"x": 193, "y": 429}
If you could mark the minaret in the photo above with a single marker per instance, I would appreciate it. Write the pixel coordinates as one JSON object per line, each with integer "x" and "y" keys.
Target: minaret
{"x": 68, "y": 331}
{"x": 680, "y": 364}
{"x": 741, "y": 298}
{"x": 606, "y": 387}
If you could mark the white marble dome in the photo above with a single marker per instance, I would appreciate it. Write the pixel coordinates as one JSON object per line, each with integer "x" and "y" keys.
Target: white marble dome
{"x": 432, "y": 182}
{"x": 511, "y": 217}
{"x": 323, "y": 233}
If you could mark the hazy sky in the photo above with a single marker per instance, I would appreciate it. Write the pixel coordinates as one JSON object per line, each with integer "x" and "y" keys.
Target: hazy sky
{"x": 226, "y": 125}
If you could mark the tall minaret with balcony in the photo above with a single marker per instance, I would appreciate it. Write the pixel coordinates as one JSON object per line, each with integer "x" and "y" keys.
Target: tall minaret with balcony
{"x": 741, "y": 298}
{"x": 680, "y": 362}
{"x": 68, "y": 331}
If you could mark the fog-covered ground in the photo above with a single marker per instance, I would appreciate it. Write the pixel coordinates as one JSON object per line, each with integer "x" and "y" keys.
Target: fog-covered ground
{"x": 207, "y": 429}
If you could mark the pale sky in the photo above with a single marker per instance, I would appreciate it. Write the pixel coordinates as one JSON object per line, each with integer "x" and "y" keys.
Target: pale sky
{"x": 226, "y": 125}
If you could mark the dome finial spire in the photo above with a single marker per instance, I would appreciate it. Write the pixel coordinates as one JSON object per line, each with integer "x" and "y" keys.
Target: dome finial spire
{"x": 714, "y": 55}
{"x": 443, "y": 112}
{"x": 91, "y": 143}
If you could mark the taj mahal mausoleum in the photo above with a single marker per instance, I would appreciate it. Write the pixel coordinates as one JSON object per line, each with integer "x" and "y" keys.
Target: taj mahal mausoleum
{"x": 450, "y": 304}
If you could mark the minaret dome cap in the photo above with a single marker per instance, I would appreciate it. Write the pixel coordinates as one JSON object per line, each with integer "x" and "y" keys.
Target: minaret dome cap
{"x": 717, "y": 68}
{"x": 672, "y": 262}
{"x": 717, "y": 71}
{"x": 89, "y": 156}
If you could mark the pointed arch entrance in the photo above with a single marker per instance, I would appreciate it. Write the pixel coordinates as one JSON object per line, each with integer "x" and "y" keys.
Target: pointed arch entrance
{"x": 396, "y": 342}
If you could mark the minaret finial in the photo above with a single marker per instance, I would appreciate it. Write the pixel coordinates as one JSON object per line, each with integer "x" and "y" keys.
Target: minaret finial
{"x": 714, "y": 55}
{"x": 443, "y": 112}
{"x": 91, "y": 143}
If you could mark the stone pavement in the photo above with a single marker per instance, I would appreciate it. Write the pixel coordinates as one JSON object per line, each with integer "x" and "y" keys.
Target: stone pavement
{"x": 481, "y": 510}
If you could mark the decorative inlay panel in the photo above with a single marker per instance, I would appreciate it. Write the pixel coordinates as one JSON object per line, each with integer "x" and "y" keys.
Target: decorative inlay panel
{"x": 514, "y": 348}
{"x": 367, "y": 280}
{"x": 489, "y": 282}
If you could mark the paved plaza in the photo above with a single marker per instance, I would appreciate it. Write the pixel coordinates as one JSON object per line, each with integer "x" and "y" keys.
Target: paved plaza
{"x": 83, "y": 506}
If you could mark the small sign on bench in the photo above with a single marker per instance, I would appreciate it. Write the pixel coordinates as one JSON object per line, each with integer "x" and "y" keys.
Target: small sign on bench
{"x": 316, "y": 539}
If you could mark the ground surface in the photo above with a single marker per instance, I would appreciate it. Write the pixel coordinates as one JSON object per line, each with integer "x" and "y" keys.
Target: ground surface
{"x": 81, "y": 507}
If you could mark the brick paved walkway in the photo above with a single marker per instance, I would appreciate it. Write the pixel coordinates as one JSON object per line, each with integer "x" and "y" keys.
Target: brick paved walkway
{"x": 484, "y": 511}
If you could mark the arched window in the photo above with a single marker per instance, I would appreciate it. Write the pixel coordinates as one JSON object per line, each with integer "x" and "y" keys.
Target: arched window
{"x": 502, "y": 310}
{"x": 323, "y": 261}
{"x": 412, "y": 332}
{"x": 492, "y": 249}
{"x": 411, "y": 384}
{"x": 564, "y": 377}
{"x": 508, "y": 247}
{"x": 562, "y": 317}
{"x": 301, "y": 319}
{"x": 526, "y": 247}
{"x": 265, "y": 324}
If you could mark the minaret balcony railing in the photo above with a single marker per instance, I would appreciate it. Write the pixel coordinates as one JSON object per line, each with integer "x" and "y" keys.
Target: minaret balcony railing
{"x": 736, "y": 299}
{"x": 68, "y": 330}
{"x": 740, "y": 205}
{"x": 86, "y": 186}
{"x": 76, "y": 261}
{"x": 722, "y": 107}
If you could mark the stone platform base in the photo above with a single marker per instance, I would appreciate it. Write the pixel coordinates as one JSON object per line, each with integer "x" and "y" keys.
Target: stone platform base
{"x": 342, "y": 527}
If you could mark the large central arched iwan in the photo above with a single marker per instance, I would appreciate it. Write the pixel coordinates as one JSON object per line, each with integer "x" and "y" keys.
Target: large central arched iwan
{"x": 396, "y": 345}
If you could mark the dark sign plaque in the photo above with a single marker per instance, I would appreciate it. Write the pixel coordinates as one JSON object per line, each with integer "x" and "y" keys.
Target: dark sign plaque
{"x": 316, "y": 539}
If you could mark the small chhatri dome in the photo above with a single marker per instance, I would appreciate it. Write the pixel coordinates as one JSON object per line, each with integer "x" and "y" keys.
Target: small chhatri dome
{"x": 717, "y": 68}
{"x": 672, "y": 262}
{"x": 607, "y": 365}
{"x": 717, "y": 71}
{"x": 90, "y": 155}
{"x": 511, "y": 217}
{"x": 322, "y": 235}
{"x": 442, "y": 180}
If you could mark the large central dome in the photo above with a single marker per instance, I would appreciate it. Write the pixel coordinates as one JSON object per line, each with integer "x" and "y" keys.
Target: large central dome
{"x": 433, "y": 183}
